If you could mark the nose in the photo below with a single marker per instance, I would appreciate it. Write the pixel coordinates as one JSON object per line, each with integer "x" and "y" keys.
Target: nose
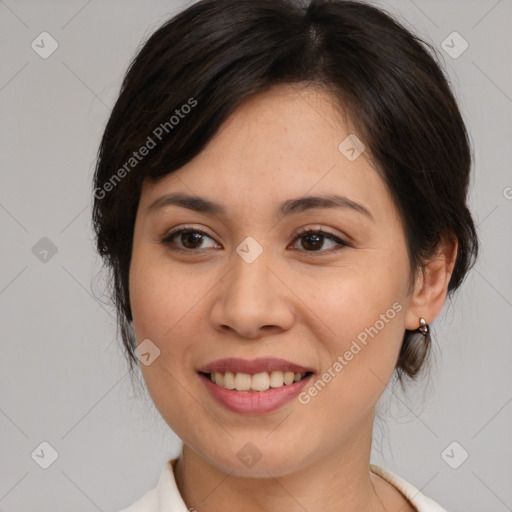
{"x": 253, "y": 299}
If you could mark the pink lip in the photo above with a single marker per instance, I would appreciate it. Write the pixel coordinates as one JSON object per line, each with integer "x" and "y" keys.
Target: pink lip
{"x": 262, "y": 364}
{"x": 255, "y": 402}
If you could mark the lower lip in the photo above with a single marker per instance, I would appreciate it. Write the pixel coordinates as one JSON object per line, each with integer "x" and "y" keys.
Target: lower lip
{"x": 256, "y": 402}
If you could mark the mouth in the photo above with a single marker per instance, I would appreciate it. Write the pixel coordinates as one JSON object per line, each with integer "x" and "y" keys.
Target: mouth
{"x": 254, "y": 386}
{"x": 255, "y": 383}
{"x": 257, "y": 393}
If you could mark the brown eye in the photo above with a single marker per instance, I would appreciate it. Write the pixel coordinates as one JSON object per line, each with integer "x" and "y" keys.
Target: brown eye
{"x": 312, "y": 240}
{"x": 189, "y": 238}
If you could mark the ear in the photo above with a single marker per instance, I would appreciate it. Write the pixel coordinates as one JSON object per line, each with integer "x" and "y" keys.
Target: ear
{"x": 431, "y": 285}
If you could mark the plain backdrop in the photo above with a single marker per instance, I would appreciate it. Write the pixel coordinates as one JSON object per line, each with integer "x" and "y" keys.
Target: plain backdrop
{"x": 63, "y": 379}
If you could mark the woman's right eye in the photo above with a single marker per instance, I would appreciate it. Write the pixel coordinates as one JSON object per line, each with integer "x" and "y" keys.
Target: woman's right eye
{"x": 190, "y": 238}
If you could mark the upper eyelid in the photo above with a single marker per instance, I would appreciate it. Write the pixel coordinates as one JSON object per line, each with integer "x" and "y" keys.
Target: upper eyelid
{"x": 176, "y": 231}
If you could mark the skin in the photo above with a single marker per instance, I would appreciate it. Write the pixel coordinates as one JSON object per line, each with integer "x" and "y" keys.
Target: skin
{"x": 292, "y": 302}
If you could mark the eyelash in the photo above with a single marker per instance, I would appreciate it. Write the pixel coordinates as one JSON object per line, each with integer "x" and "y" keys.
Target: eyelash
{"x": 168, "y": 237}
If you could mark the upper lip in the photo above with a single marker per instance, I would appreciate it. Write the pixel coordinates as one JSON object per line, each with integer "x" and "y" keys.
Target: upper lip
{"x": 262, "y": 364}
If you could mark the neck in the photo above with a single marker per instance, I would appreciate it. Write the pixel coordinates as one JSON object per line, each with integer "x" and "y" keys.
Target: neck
{"x": 338, "y": 482}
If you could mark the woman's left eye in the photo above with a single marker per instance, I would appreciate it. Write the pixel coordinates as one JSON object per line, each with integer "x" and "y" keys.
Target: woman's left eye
{"x": 312, "y": 240}
{"x": 315, "y": 238}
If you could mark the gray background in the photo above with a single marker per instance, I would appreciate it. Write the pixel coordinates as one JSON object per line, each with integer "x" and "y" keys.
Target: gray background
{"x": 63, "y": 379}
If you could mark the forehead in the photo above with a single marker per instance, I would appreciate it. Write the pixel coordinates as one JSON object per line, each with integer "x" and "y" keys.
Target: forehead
{"x": 283, "y": 143}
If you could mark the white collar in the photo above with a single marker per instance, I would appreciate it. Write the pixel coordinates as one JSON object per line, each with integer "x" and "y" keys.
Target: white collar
{"x": 418, "y": 500}
{"x": 165, "y": 497}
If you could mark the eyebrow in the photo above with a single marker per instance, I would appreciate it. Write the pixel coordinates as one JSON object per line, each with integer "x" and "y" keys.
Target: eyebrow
{"x": 286, "y": 208}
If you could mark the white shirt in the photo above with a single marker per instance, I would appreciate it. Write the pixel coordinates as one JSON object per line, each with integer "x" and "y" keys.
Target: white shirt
{"x": 166, "y": 497}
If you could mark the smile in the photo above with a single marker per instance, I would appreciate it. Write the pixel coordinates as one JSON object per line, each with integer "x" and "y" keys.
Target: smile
{"x": 254, "y": 386}
{"x": 256, "y": 383}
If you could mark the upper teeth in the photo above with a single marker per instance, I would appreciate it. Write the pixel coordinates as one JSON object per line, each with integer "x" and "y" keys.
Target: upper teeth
{"x": 257, "y": 382}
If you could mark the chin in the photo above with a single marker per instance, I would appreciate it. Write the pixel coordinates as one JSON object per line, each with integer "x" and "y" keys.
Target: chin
{"x": 256, "y": 461}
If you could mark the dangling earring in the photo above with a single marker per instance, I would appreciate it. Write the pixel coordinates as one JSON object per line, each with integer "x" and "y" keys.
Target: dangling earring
{"x": 423, "y": 328}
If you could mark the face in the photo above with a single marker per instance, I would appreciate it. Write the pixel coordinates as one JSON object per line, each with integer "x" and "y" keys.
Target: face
{"x": 245, "y": 293}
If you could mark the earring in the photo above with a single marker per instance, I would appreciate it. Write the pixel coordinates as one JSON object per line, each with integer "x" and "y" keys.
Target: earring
{"x": 423, "y": 328}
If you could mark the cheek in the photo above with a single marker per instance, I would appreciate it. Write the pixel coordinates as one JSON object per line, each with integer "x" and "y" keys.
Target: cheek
{"x": 150, "y": 306}
{"x": 360, "y": 356}
{"x": 362, "y": 310}
{"x": 162, "y": 307}
{"x": 167, "y": 300}
{"x": 161, "y": 295}
{"x": 354, "y": 298}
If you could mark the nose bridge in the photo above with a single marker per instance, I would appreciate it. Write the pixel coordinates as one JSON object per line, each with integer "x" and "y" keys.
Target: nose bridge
{"x": 251, "y": 296}
{"x": 250, "y": 283}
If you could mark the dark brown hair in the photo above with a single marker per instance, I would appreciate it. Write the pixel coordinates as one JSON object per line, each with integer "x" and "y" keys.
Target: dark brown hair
{"x": 198, "y": 67}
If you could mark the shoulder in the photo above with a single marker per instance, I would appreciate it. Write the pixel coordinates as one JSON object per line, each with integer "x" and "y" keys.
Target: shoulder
{"x": 421, "y": 502}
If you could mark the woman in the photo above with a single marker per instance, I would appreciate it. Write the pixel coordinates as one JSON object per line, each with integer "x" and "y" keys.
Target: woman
{"x": 281, "y": 198}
